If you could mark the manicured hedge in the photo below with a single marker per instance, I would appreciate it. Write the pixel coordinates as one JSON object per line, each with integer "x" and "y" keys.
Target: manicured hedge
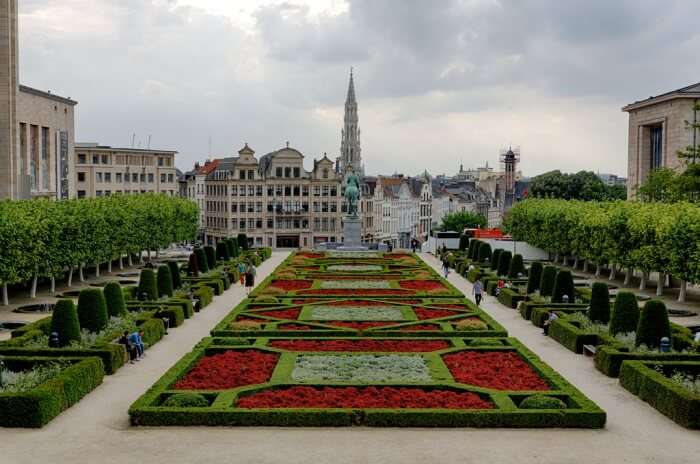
{"x": 202, "y": 262}
{"x": 92, "y": 310}
{"x": 210, "y": 255}
{"x": 175, "y": 274}
{"x": 625, "y": 315}
{"x": 549, "y": 275}
{"x": 516, "y": 268}
{"x": 114, "y": 298}
{"x": 609, "y": 358}
{"x": 39, "y": 406}
{"x": 484, "y": 253}
{"x": 534, "y": 277}
{"x": 222, "y": 252}
{"x": 148, "y": 287}
{"x": 563, "y": 286}
{"x": 504, "y": 262}
{"x": 572, "y": 337}
{"x": 509, "y": 297}
{"x": 165, "y": 281}
{"x": 64, "y": 321}
{"x": 599, "y": 309}
{"x": 669, "y": 398}
{"x": 653, "y": 324}
{"x": 495, "y": 261}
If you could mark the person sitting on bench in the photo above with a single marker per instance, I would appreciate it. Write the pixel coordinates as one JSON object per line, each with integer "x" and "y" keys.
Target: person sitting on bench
{"x": 130, "y": 349}
{"x": 136, "y": 339}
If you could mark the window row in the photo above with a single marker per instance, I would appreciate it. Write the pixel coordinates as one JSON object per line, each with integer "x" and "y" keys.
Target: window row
{"x": 127, "y": 178}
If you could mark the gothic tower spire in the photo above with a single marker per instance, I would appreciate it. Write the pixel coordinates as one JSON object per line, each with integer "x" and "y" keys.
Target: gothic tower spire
{"x": 350, "y": 152}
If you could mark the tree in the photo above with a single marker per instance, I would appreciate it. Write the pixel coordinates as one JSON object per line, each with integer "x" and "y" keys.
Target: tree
{"x": 549, "y": 275}
{"x": 653, "y": 324}
{"x": 114, "y": 298}
{"x": 202, "y": 263}
{"x": 534, "y": 277}
{"x": 583, "y": 185}
{"x": 563, "y": 285}
{"x": 599, "y": 308}
{"x": 92, "y": 310}
{"x": 463, "y": 242}
{"x": 461, "y": 220}
{"x": 64, "y": 321}
{"x": 193, "y": 268}
{"x": 165, "y": 281}
{"x": 516, "y": 268}
{"x": 660, "y": 185}
{"x": 473, "y": 250}
{"x": 175, "y": 274}
{"x": 484, "y": 252}
{"x": 504, "y": 262}
{"x": 692, "y": 152}
{"x": 210, "y": 255}
{"x": 625, "y": 314}
{"x": 495, "y": 259}
{"x": 242, "y": 241}
{"x": 148, "y": 289}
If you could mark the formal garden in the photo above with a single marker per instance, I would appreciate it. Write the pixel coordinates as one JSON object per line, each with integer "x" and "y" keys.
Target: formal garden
{"x": 358, "y": 338}
{"x": 629, "y": 334}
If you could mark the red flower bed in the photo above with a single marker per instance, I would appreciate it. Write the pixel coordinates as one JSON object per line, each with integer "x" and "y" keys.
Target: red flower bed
{"x": 297, "y": 327}
{"x": 289, "y": 285}
{"x": 357, "y": 325}
{"x": 397, "y": 256}
{"x": 367, "y": 397}
{"x": 452, "y": 306}
{"x": 282, "y": 313}
{"x": 500, "y": 370}
{"x": 412, "y": 346}
{"x": 412, "y": 328}
{"x": 356, "y": 292}
{"x": 422, "y": 285}
{"x": 310, "y": 255}
{"x": 228, "y": 370}
{"x": 424, "y": 313}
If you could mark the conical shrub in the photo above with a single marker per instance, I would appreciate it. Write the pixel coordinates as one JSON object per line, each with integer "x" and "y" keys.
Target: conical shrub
{"x": 202, "y": 264}
{"x": 496, "y": 256}
{"x": 210, "y": 254}
{"x": 192, "y": 267}
{"x": 484, "y": 252}
{"x": 114, "y": 298}
{"x": 148, "y": 289}
{"x": 242, "y": 241}
{"x": 236, "y": 249}
{"x": 653, "y": 324}
{"x": 534, "y": 277}
{"x": 473, "y": 249}
{"x": 549, "y": 274}
{"x": 165, "y": 281}
{"x": 599, "y": 309}
{"x": 229, "y": 247}
{"x": 504, "y": 262}
{"x": 175, "y": 274}
{"x": 625, "y": 315}
{"x": 92, "y": 310}
{"x": 64, "y": 321}
{"x": 516, "y": 268}
{"x": 563, "y": 285}
{"x": 463, "y": 242}
{"x": 222, "y": 251}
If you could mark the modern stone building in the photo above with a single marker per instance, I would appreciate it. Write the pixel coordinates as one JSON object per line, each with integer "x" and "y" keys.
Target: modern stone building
{"x": 37, "y": 128}
{"x": 274, "y": 200}
{"x": 658, "y": 131}
{"x": 103, "y": 171}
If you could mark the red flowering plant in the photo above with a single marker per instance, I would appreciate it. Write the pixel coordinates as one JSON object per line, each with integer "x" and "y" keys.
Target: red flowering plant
{"x": 500, "y": 370}
{"x": 228, "y": 370}
{"x": 365, "y": 345}
{"x": 423, "y": 285}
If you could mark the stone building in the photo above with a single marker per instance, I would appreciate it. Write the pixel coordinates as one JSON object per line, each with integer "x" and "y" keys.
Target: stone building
{"x": 37, "y": 128}
{"x": 194, "y": 188}
{"x": 658, "y": 131}
{"x": 102, "y": 171}
{"x": 275, "y": 201}
{"x": 402, "y": 210}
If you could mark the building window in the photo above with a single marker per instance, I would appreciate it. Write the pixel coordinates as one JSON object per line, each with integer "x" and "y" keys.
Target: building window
{"x": 296, "y": 191}
{"x": 278, "y": 172}
{"x": 326, "y": 190}
{"x": 81, "y": 193}
{"x": 98, "y": 193}
{"x": 95, "y": 159}
{"x": 251, "y": 175}
{"x": 105, "y": 159}
{"x": 297, "y": 172}
{"x": 305, "y": 190}
{"x": 317, "y": 190}
{"x": 81, "y": 177}
{"x": 98, "y": 177}
{"x": 258, "y": 191}
{"x": 119, "y": 177}
{"x": 657, "y": 135}
{"x": 135, "y": 177}
{"x": 287, "y": 190}
{"x": 82, "y": 159}
{"x": 251, "y": 190}
{"x": 108, "y": 177}
{"x": 270, "y": 223}
{"x": 150, "y": 177}
{"x": 160, "y": 161}
{"x": 325, "y": 173}
{"x": 241, "y": 174}
{"x": 287, "y": 172}
{"x": 162, "y": 178}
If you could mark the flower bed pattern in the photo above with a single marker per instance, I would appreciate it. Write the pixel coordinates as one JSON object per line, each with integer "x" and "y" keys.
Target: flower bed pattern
{"x": 363, "y": 338}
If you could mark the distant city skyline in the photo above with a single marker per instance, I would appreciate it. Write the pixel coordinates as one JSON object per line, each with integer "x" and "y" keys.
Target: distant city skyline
{"x": 438, "y": 86}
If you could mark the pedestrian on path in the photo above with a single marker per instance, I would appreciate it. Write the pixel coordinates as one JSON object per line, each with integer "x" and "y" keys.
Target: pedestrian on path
{"x": 477, "y": 290}
{"x": 250, "y": 278}
{"x": 445, "y": 267}
{"x": 242, "y": 271}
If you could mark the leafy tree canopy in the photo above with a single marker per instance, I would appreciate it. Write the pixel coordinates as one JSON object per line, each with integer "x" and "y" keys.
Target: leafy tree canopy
{"x": 461, "y": 220}
{"x": 583, "y": 185}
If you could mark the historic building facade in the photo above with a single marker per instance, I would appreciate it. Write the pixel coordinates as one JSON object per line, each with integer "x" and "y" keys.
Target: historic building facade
{"x": 658, "y": 131}
{"x": 37, "y": 128}
{"x": 350, "y": 150}
{"x": 103, "y": 171}
{"x": 274, "y": 200}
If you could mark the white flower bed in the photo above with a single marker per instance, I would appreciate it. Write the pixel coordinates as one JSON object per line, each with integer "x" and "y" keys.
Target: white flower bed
{"x": 361, "y": 368}
{"x": 355, "y": 284}
{"x": 354, "y": 267}
{"x": 352, "y": 254}
{"x": 356, "y": 313}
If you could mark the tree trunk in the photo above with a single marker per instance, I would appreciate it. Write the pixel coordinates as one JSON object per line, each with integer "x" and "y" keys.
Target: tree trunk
{"x": 97, "y": 270}
{"x": 660, "y": 284}
{"x": 598, "y": 268}
{"x": 148, "y": 254}
{"x": 32, "y": 291}
{"x": 157, "y": 253}
{"x": 575, "y": 262}
{"x": 109, "y": 267}
{"x": 556, "y": 258}
{"x": 121, "y": 262}
{"x": 681, "y": 294}
{"x": 5, "y": 296}
{"x": 585, "y": 266}
{"x": 667, "y": 281}
{"x": 131, "y": 263}
{"x": 628, "y": 276}
{"x": 53, "y": 284}
{"x": 643, "y": 280}
{"x": 82, "y": 275}
{"x": 613, "y": 271}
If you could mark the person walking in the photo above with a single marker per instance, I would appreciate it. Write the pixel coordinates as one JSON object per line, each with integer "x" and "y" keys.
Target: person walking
{"x": 477, "y": 291}
{"x": 250, "y": 278}
{"x": 241, "y": 271}
{"x": 445, "y": 267}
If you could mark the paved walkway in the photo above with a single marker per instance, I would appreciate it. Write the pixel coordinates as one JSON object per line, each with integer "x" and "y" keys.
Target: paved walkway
{"x": 96, "y": 430}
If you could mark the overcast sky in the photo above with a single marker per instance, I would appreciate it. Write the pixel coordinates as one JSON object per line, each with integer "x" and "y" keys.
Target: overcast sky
{"x": 438, "y": 82}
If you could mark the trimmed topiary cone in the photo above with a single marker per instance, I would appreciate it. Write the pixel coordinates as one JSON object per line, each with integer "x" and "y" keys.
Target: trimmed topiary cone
{"x": 463, "y": 242}
{"x": 242, "y": 241}
{"x": 192, "y": 266}
{"x": 473, "y": 248}
{"x": 516, "y": 266}
{"x": 653, "y": 324}
{"x": 504, "y": 262}
{"x": 148, "y": 289}
{"x": 229, "y": 247}
{"x": 175, "y": 274}
{"x": 236, "y": 249}
{"x": 64, "y": 321}
{"x": 114, "y": 298}
{"x": 210, "y": 253}
{"x": 495, "y": 258}
{"x": 202, "y": 264}
{"x": 563, "y": 285}
{"x": 625, "y": 314}
{"x": 165, "y": 281}
{"x": 222, "y": 251}
{"x": 534, "y": 277}
{"x": 92, "y": 310}
{"x": 549, "y": 274}
{"x": 599, "y": 310}
{"x": 484, "y": 252}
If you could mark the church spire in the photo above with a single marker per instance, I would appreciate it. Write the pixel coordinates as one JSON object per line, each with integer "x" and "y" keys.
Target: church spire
{"x": 351, "y": 90}
{"x": 350, "y": 153}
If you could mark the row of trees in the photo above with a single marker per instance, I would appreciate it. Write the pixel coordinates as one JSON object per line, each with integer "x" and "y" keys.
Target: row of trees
{"x": 648, "y": 237}
{"x": 460, "y": 220}
{"x": 583, "y": 185}
{"x": 48, "y": 239}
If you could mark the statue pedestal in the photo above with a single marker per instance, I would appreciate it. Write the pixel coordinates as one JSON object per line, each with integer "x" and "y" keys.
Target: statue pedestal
{"x": 352, "y": 232}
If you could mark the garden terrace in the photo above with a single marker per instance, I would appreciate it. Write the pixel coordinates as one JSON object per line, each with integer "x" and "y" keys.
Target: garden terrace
{"x": 348, "y": 381}
{"x": 264, "y": 316}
